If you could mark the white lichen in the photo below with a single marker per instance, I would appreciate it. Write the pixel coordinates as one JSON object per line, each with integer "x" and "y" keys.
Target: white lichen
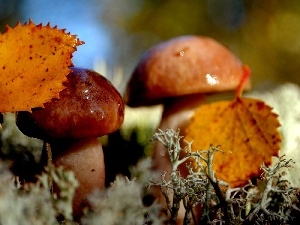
{"x": 271, "y": 199}
{"x": 35, "y": 203}
{"x": 121, "y": 204}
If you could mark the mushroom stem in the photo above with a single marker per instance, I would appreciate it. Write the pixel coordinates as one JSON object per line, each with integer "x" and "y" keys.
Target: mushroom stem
{"x": 85, "y": 158}
{"x": 176, "y": 115}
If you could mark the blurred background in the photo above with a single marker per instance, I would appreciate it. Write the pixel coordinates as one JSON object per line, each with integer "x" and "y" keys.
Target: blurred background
{"x": 263, "y": 34}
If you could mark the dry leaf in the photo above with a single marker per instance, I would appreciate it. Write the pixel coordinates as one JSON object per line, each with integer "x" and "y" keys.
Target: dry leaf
{"x": 245, "y": 129}
{"x": 34, "y": 61}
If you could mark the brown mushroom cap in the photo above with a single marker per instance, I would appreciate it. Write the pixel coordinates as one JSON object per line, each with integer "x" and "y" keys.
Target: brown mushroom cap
{"x": 88, "y": 107}
{"x": 181, "y": 66}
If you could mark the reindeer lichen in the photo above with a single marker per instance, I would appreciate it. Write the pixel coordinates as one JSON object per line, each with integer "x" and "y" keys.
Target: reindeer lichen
{"x": 272, "y": 198}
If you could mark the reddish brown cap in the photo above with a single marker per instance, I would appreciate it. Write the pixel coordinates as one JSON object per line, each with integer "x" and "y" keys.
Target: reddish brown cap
{"x": 89, "y": 106}
{"x": 181, "y": 66}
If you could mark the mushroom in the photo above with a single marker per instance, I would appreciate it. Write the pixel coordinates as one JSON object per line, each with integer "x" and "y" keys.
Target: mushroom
{"x": 179, "y": 73}
{"x": 89, "y": 107}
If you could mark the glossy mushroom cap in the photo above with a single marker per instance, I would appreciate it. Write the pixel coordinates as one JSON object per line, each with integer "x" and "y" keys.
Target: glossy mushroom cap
{"x": 88, "y": 107}
{"x": 181, "y": 66}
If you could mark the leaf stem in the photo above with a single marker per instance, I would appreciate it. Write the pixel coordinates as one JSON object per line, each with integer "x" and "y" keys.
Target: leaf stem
{"x": 245, "y": 78}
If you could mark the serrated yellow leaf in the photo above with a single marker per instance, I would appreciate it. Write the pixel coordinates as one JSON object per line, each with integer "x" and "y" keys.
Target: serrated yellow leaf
{"x": 34, "y": 63}
{"x": 245, "y": 129}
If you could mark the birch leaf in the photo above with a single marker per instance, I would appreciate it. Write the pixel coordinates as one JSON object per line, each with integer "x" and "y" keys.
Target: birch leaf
{"x": 245, "y": 129}
{"x": 34, "y": 63}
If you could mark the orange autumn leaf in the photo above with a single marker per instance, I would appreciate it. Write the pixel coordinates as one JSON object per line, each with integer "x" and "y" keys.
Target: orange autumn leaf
{"x": 247, "y": 132}
{"x": 34, "y": 61}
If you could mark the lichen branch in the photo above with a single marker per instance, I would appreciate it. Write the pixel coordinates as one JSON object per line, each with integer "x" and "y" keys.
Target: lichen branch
{"x": 271, "y": 198}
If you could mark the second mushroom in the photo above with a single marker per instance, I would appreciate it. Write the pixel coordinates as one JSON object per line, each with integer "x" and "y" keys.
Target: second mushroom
{"x": 179, "y": 73}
